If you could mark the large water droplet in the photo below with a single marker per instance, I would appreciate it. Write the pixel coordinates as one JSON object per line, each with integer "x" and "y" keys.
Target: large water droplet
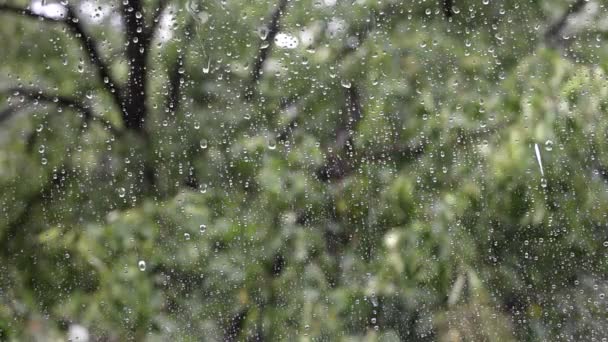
{"x": 272, "y": 143}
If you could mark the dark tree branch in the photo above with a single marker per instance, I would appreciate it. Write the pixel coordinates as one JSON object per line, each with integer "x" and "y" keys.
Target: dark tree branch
{"x": 447, "y": 8}
{"x": 553, "y": 32}
{"x": 363, "y": 29}
{"x": 287, "y": 130}
{"x": 55, "y": 181}
{"x": 134, "y": 105}
{"x": 263, "y": 53}
{"x": 234, "y": 326}
{"x": 26, "y": 12}
{"x": 337, "y": 167}
{"x": 90, "y": 46}
{"x": 159, "y": 8}
{"x": 7, "y": 113}
{"x": 176, "y": 74}
{"x": 353, "y": 116}
{"x": 72, "y": 21}
{"x": 64, "y": 101}
{"x": 175, "y": 81}
{"x": 339, "y": 163}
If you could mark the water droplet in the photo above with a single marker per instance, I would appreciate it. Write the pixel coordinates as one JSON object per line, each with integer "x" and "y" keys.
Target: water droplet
{"x": 122, "y": 192}
{"x": 206, "y": 69}
{"x": 204, "y": 143}
{"x": 187, "y": 236}
{"x": 263, "y": 33}
{"x": 141, "y": 265}
{"x": 346, "y": 84}
{"x": 202, "y": 228}
{"x": 272, "y": 144}
{"x": 549, "y": 145}
{"x": 41, "y": 149}
{"x": 543, "y": 182}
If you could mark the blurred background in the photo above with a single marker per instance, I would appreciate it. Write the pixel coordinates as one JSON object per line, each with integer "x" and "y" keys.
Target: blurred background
{"x": 303, "y": 170}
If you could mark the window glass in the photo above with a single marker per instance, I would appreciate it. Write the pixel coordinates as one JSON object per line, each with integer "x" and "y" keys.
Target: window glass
{"x": 303, "y": 170}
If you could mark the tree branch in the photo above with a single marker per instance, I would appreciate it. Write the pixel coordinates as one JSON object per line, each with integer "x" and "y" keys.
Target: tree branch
{"x": 26, "y": 12}
{"x": 160, "y": 7}
{"x": 72, "y": 21}
{"x": 176, "y": 77}
{"x": 447, "y": 8}
{"x": 362, "y": 31}
{"x": 68, "y": 102}
{"x": 90, "y": 46}
{"x": 263, "y": 53}
{"x": 134, "y": 109}
{"x": 55, "y": 181}
{"x": 553, "y": 32}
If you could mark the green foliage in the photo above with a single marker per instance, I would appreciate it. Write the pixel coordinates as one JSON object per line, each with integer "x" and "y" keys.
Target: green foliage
{"x": 378, "y": 181}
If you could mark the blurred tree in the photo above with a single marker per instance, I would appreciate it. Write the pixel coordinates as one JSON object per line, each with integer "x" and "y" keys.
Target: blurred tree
{"x": 303, "y": 169}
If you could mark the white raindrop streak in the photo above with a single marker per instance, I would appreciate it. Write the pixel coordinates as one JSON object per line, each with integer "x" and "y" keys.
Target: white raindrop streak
{"x": 540, "y": 162}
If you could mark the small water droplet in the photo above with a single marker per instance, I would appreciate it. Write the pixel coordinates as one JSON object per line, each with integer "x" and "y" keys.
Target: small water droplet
{"x": 272, "y": 144}
{"x": 141, "y": 265}
{"x": 549, "y": 145}
{"x": 346, "y": 84}
{"x": 187, "y": 236}
{"x": 204, "y": 144}
{"x": 543, "y": 182}
{"x": 122, "y": 192}
{"x": 202, "y": 228}
{"x": 263, "y": 33}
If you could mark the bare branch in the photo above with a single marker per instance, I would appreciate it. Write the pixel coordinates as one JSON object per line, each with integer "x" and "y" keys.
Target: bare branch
{"x": 554, "y": 31}
{"x": 160, "y": 7}
{"x": 90, "y": 46}
{"x": 27, "y": 13}
{"x": 72, "y": 21}
{"x": 67, "y": 102}
{"x": 263, "y": 52}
